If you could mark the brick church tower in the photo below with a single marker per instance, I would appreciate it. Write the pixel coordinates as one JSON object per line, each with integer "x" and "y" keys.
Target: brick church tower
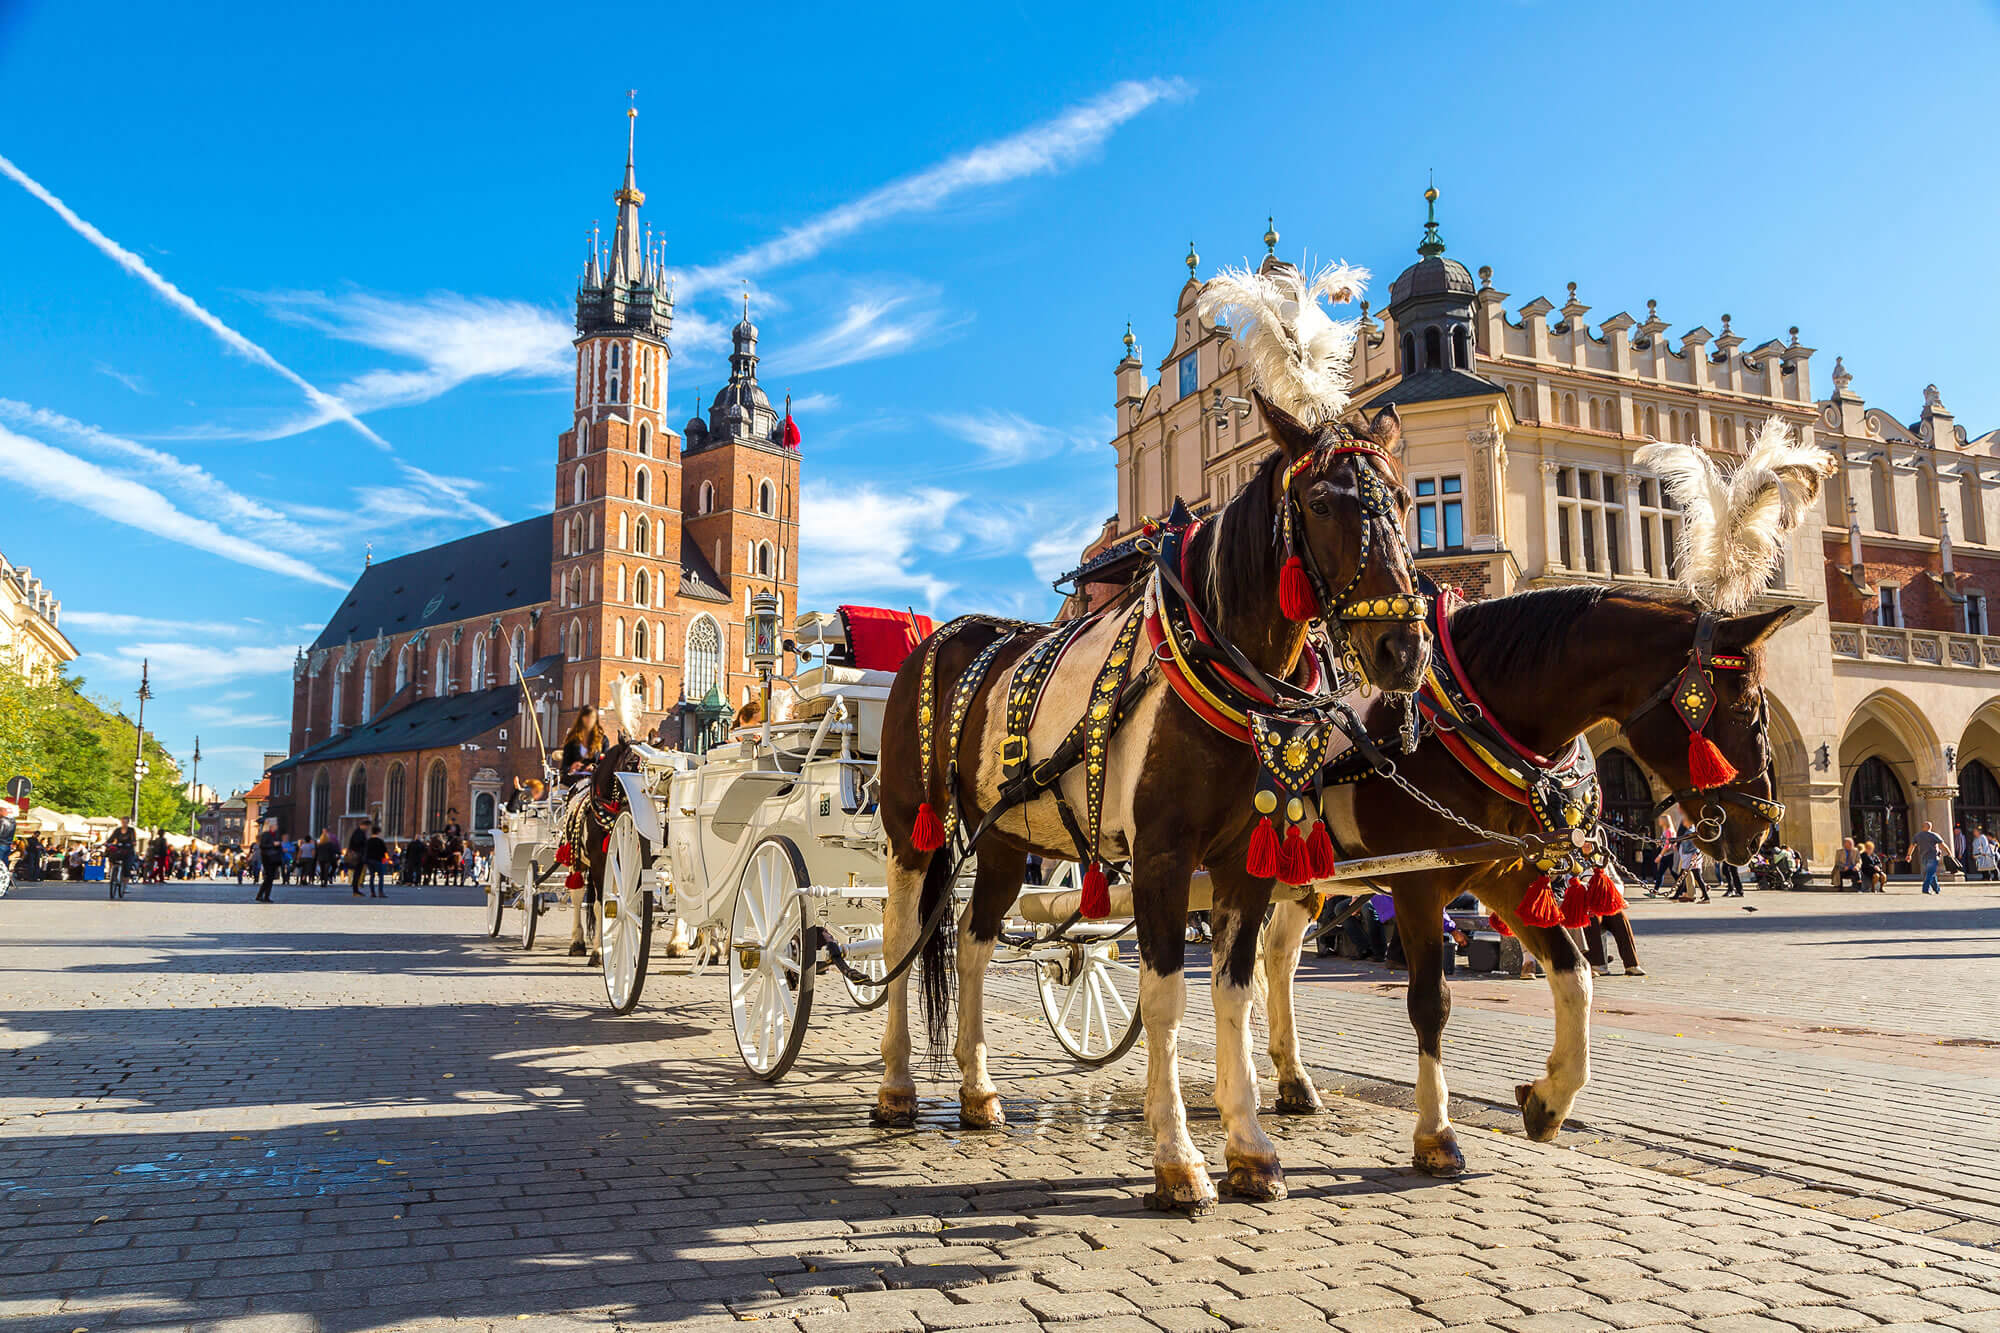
{"x": 617, "y": 538}
{"x": 657, "y": 549}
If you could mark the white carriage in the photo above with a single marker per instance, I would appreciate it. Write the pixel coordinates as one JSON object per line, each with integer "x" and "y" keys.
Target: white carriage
{"x": 771, "y": 845}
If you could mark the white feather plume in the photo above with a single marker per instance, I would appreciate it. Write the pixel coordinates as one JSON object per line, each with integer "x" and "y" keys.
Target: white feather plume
{"x": 1733, "y": 525}
{"x": 628, "y": 713}
{"x": 1298, "y": 355}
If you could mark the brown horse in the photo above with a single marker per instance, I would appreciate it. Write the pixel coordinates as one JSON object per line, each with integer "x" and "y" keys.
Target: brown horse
{"x": 1545, "y": 666}
{"x": 1176, "y": 790}
{"x": 586, "y": 824}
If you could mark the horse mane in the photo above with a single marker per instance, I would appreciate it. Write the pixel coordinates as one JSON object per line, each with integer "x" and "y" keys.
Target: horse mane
{"x": 1526, "y": 632}
{"x": 1237, "y": 554}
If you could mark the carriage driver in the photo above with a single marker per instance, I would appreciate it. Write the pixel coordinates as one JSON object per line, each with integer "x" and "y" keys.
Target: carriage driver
{"x": 582, "y": 744}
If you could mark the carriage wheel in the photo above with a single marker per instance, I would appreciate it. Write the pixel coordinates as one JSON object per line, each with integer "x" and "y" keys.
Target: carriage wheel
{"x": 770, "y": 963}
{"x": 627, "y": 924}
{"x": 1091, "y": 999}
{"x": 531, "y": 905}
{"x": 496, "y": 899}
{"x": 867, "y": 997}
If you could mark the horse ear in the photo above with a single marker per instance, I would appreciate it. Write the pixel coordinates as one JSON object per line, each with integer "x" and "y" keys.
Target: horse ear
{"x": 1386, "y": 429}
{"x": 1748, "y": 631}
{"x": 1292, "y": 435}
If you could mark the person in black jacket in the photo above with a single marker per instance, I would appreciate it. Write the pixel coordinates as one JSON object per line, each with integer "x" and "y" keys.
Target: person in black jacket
{"x": 356, "y": 860}
{"x": 120, "y": 850}
{"x": 270, "y": 856}
{"x": 376, "y": 852}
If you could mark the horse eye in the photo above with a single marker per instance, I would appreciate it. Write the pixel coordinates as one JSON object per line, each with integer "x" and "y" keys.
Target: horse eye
{"x": 1319, "y": 506}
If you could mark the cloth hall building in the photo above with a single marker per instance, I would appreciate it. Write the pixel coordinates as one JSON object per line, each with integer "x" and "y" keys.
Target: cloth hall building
{"x": 1520, "y": 421}
{"x": 410, "y": 703}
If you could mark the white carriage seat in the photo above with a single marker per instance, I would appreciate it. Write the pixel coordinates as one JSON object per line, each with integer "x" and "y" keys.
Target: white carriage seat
{"x": 866, "y": 692}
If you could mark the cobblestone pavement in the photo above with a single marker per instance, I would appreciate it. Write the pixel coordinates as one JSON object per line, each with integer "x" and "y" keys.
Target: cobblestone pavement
{"x": 352, "y": 1115}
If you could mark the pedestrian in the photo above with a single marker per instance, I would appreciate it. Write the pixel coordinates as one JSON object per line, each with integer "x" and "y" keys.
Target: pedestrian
{"x": 1663, "y": 831}
{"x": 120, "y": 850}
{"x": 1688, "y": 876}
{"x": 1927, "y": 851}
{"x": 1958, "y": 843}
{"x": 413, "y": 862}
{"x": 1732, "y": 878}
{"x": 1847, "y": 865}
{"x": 355, "y": 862}
{"x": 1985, "y": 858}
{"x": 1619, "y": 926}
{"x": 1872, "y": 874}
{"x": 8, "y": 827}
{"x": 326, "y": 857}
{"x": 376, "y": 854}
{"x": 270, "y": 858}
{"x": 291, "y": 850}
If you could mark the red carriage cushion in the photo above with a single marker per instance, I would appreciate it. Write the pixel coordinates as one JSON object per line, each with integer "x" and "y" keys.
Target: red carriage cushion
{"x": 879, "y": 639}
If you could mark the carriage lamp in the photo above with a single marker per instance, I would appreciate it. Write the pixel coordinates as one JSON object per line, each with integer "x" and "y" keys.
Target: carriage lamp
{"x": 761, "y": 641}
{"x": 1219, "y": 408}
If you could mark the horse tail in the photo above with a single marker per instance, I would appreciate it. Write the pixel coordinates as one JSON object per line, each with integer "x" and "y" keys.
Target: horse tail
{"x": 940, "y": 968}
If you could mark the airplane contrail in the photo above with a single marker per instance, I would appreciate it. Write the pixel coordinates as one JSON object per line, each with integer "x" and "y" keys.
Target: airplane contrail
{"x": 187, "y": 305}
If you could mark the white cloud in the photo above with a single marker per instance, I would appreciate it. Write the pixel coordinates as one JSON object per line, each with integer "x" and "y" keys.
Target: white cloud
{"x": 860, "y": 541}
{"x": 815, "y": 402}
{"x": 118, "y": 622}
{"x": 876, "y": 322}
{"x": 1040, "y": 149}
{"x": 259, "y": 519}
{"x": 1057, "y": 550}
{"x": 187, "y": 305}
{"x": 230, "y": 719}
{"x": 187, "y": 666}
{"x": 454, "y": 338}
{"x": 1008, "y": 438}
{"x": 51, "y": 472}
{"x": 136, "y": 383}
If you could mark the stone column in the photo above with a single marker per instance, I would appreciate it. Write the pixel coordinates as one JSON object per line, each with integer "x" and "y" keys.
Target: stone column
{"x": 1634, "y": 560}
{"x": 1552, "y": 545}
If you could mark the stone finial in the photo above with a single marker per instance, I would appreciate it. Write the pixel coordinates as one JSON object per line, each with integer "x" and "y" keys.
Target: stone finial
{"x": 1193, "y": 260}
{"x": 1842, "y": 377}
{"x": 1572, "y": 291}
{"x": 1725, "y": 323}
{"x": 1131, "y": 343}
{"x": 1795, "y": 335}
{"x": 1486, "y": 277}
{"x": 1270, "y": 235}
{"x": 1933, "y": 400}
{"x": 1652, "y": 310}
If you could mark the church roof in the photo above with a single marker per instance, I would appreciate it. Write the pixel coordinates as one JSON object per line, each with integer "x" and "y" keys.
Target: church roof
{"x": 698, "y": 577}
{"x": 498, "y": 570}
{"x": 1434, "y": 385}
{"x": 427, "y": 724}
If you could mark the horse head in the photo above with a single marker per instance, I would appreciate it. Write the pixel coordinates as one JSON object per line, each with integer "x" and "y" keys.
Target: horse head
{"x": 1341, "y": 511}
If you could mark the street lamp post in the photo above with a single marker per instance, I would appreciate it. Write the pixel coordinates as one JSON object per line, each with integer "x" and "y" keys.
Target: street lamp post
{"x": 761, "y": 644}
{"x": 139, "y": 741}
{"x": 194, "y": 790}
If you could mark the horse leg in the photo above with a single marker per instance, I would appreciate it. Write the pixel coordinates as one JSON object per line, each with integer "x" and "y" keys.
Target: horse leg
{"x": 677, "y": 939}
{"x": 1282, "y": 937}
{"x": 1437, "y": 1151}
{"x": 576, "y": 948}
{"x": 1159, "y": 897}
{"x": 994, "y": 888}
{"x": 1547, "y": 1101}
{"x": 896, "y": 1100}
{"x": 1252, "y": 1163}
{"x": 593, "y": 895}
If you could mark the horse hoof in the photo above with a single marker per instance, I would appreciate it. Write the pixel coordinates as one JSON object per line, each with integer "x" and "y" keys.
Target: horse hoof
{"x": 596, "y": 958}
{"x": 1439, "y": 1155}
{"x": 894, "y": 1110}
{"x": 981, "y": 1111}
{"x": 1541, "y": 1123}
{"x": 1260, "y": 1182}
{"x": 1181, "y": 1189}
{"x": 577, "y": 950}
{"x": 1298, "y": 1098}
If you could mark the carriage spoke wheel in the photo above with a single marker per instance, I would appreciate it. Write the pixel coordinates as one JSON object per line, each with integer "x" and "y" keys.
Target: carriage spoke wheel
{"x": 770, "y": 967}
{"x": 627, "y": 924}
{"x": 496, "y": 899}
{"x": 531, "y": 905}
{"x": 867, "y": 997}
{"x": 1091, "y": 999}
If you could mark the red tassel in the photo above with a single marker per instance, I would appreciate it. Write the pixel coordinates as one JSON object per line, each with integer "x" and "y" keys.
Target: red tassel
{"x": 1605, "y": 899}
{"x": 1262, "y": 862}
{"x": 563, "y": 855}
{"x": 1294, "y": 865}
{"x": 1707, "y": 766}
{"x": 928, "y": 835}
{"x": 1319, "y": 848}
{"x": 605, "y": 846}
{"x": 1493, "y": 920}
{"x": 1575, "y": 904}
{"x": 1295, "y": 591}
{"x": 1539, "y": 907}
{"x": 791, "y": 435}
{"x": 1096, "y": 901}
{"x": 573, "y": 881}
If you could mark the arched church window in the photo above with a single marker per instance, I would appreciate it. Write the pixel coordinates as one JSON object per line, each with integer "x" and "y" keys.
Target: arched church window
{"x": 707, "y": 505}
{"x": 642, "y": 539}
{"x": 517, "y": 655}
{"x": 703, "y": 665}
{"x": 477, "y": 679}
{"x": 579, "y": 486}
{"x": 403, "y": 666}
{"x": 767, "y": 499}
{"x": 639, "y": 641}
{"x": 765, "y": 562}
{"x": 645, "y": 438}
{"x": 1461, "y": 348}
{"x": 1433, "y": 348}
{"x": 441, "y": 672}
{"x": 640, "y": 588}
{"x": 641, "y": 486}
{"x": 357, "y": 790}
{"x": 1409, "y": 354}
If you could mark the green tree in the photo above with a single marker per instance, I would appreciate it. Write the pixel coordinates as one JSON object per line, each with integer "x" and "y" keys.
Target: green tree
{"x": 78, "y": 753}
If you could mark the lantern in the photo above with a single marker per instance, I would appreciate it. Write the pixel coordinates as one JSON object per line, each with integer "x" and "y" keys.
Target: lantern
{"x": 761, "y": 631}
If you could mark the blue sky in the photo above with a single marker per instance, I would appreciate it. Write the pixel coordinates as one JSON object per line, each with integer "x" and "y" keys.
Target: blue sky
{"x": 946, "y": 221}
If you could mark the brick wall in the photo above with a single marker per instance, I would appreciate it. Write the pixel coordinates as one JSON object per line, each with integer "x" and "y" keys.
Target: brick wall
{"x": 1471, "y": 577}
{"x": 1924, "y": 603}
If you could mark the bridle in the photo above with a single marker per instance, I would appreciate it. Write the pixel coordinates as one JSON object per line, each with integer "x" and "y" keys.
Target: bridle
{"x": 1377, "y": 501}
{"x": 1692, "y": 694}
